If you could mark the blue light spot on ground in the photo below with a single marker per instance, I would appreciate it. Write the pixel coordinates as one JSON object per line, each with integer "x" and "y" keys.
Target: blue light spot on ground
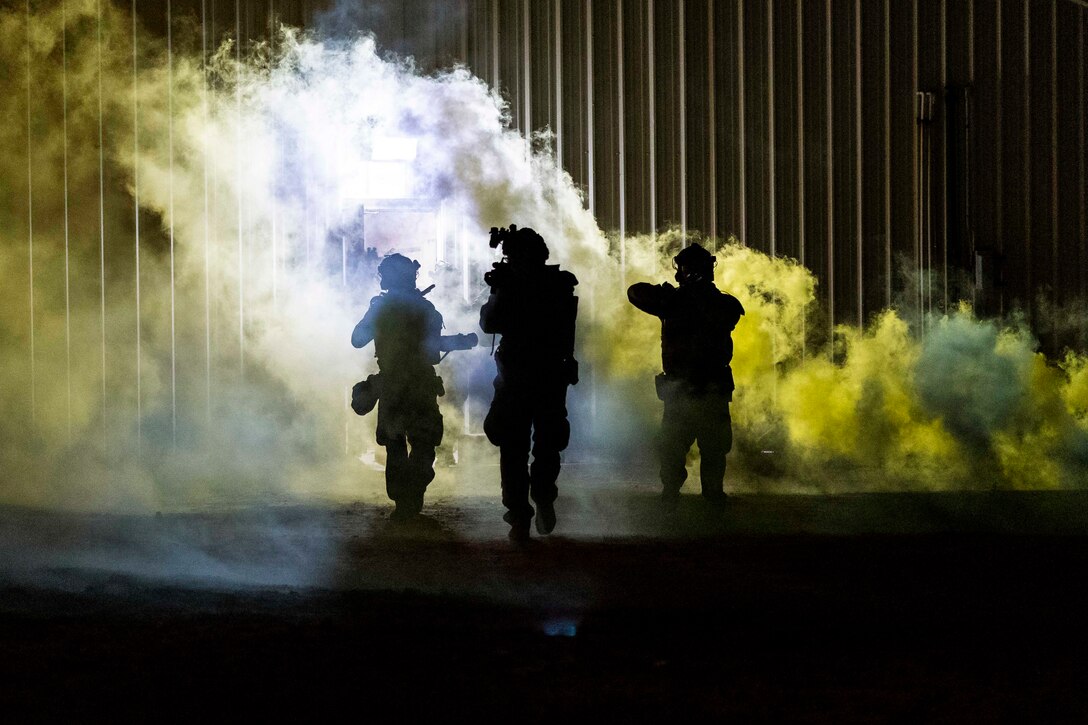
{"x": 560, "y": 627}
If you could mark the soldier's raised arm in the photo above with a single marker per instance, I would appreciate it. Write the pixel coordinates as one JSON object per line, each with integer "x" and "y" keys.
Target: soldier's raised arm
{"x": 650, "y": 298}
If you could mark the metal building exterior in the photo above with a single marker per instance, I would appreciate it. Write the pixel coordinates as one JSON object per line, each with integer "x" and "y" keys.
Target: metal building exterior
{"x": 909, "y": 152}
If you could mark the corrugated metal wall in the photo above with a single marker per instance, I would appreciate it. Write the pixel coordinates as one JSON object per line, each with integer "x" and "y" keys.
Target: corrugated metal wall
{"x": 798, "y": 126}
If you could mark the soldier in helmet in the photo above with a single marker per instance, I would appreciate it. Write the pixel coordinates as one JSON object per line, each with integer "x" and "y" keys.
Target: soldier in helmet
{"x": 532, "y": 305}
{"x": 408, "y": 342}
{"x": 697, "y": 383}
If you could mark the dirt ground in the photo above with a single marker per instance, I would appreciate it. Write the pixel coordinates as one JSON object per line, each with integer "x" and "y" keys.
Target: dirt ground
{"x": 964, "y": 607}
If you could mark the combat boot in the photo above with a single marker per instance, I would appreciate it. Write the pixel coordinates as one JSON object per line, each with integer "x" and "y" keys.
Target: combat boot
{"x": 519, "y": 527}
{"x": 545, "y": 517}
{"x": 716, "y": 499}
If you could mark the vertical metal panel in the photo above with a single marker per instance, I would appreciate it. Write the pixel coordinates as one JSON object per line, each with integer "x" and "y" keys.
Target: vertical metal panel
{"x": 817, "y": 166}
{"x": 742, "y": 185}
{"x": 1040, "y": 162}
{"x": 729, "y": 200}
{"x": 902, "y": 84}
{"x": 568, "y": 93}
{"x": 970, "y": 41}
{"x": 496, "y": 79}
{"x": 1054, "y": 144}
{"x": 800, "y": 125}
{"x": 942, "y": 174}
{"x": 999, "y": 147}
{"x": 858, "y": 151}
{"x": 957, "y": 128}
{"x": 651, "y": 119}
{"x": 557, "y": 43}
{"x": 621, "y": 145}
{"x": 527, "y": 124}
{"x": 1015, "y": 164}
{"x": 662, "y": 18}
{"x": 756, "y": 116}
{"x": 1082, "y": 106}
{"x": 842, "y": 75}
{"x": 887, "y": 51}
{"x": 463, "y": 56}
{"x": 771, "y": 247}
{"x": 683, "y": 120}
{"x": 931, "y": 70}
{"x": 712, "y": 121}
{"x": 799, "y": 32}
{"x": 668, "y": 116}
{"x": 606, "y": 129}
{"x": 636, "y": 116}
{"x": 916, "y": 300}
{"x": 1027, "y": 156}
{"x": 872, "y": 174}
{"x": 591, "y": 109}
{"x": 985, "y": 150}
{"x": 784, "y": 102}
{"x": 698, "y": 129}
{"x": 830, "y": 140}
{"x": 842, "y": 132}
{"x": 1015, "y": 127}
{"x": 538, "y": 21}
{"x": 1069, "y": 206}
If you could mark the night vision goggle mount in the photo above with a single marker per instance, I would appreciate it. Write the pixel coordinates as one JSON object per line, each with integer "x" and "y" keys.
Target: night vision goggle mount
{"x": 500, "y": 235}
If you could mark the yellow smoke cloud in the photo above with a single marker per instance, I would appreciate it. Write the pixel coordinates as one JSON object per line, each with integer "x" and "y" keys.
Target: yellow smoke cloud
{"x": 243, "y": 362}
{"x": 968, "y": 404}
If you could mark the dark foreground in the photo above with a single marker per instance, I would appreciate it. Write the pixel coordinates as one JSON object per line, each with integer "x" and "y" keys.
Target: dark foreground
{"x": 797, "y": 608}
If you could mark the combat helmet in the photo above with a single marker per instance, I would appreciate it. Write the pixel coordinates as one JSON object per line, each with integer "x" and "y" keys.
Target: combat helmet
{"x": 527, "y": 247}
{"x": 694, "y": 263}
{"x": 397, "y": 272}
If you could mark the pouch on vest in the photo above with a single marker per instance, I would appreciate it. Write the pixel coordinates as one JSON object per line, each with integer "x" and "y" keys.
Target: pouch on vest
{"x": 365, "y": 394}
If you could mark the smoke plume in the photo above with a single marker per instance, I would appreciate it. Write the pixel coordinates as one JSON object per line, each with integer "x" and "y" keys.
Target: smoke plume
{"x": 181, "y": 275}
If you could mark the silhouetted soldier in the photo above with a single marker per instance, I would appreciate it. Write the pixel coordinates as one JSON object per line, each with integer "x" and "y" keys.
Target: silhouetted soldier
{"x": 697, "y": 383}
{"x": 408, "y": 341}
{"x": 532, "y": 305}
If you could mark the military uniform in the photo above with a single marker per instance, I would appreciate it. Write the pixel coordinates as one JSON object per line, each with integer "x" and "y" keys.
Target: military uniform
{"x": 534, "y": 309}
{"x": 697, "y": 384}
{"x": 406, "y": 329}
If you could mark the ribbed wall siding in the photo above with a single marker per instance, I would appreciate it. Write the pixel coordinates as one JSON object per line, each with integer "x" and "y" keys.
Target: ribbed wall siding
{"x": 794, "y": 124}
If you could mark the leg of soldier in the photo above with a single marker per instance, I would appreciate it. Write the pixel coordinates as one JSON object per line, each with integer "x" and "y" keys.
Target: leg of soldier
{"x": 396, "y": 467}
{"x": 424, "y": 436}
{"x": 421, "y": 464}
{"x": 715, "y": 436}
{"x": 513, "y": 467}
{"x": 514, "y": 470}
{"x": 390, "y": 434}
{"x": 419, "y": 472}
{"x": 551, "y": 434}
{"x": 677, "y": 435}
{"x": 507, "y": 426}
